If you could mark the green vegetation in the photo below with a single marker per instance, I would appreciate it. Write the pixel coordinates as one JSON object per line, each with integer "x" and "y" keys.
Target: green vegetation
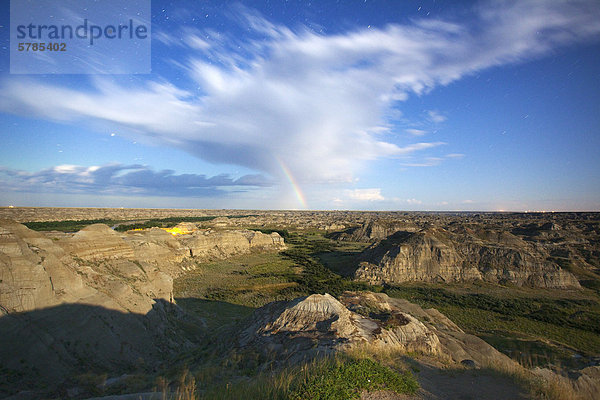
{"x": 251, "y": 280}
{"x": 225, "y": 292}
{"x": 346, "y": 379}
{"x": 316, "y": 277}
{"x": 342, "y": 376}
{"x": 68, "y": 225}
{"x": 582, "y": 314}
{"x": 547, "y": 324}
{"x": 257, "y": 279}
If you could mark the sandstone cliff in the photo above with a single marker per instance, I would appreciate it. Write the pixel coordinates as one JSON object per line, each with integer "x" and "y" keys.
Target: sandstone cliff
{"x": 74, "y": 304}
{"x": 438, "y": 255}
{"x": 210, "y": 244}
{"x": 99, "y": 300}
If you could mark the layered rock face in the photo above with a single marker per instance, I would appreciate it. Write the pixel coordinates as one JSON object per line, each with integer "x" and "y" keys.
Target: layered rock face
{"x": 438, "y": 255}
{"x": 131, "y": 269}
{"x": 320, "y": 324}
{"x": 209, "y": 244}
{"x": 98, "y": 299}
{"x": 62, "y": 313}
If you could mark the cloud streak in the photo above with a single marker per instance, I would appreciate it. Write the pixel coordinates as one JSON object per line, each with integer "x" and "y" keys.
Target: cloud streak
{"x": 316, "y": 102}
{"x": 119, "y": 179}
{"x": 365, "y": 194}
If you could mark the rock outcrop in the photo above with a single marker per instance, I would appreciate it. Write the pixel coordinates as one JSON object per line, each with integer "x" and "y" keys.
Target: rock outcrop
{"x": 438, "y": 255}
{"x": 321, "y": 324}
{"x": 99, "y": 300}
{"x": 65, "y": 312}
{"x": 96, "y": 242}
{"x": 211, "y": 244}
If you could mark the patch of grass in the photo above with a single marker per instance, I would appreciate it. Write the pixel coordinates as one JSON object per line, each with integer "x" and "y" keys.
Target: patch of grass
{"x": 316, "y": 277}
{"x": 533, "y": 353}
{"x": 337, "y": 377}
{"x": 340, "y": 379}
{"x": 552, "y": 387}
{"x": 343, "y": 259}
{"x": 478, "y": 321}
{"x": 216, "y": 314}
{"x": 250, "y": 280}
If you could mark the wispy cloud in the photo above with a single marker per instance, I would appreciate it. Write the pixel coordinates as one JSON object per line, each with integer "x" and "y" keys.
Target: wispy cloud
{"x": 414, "y": 201}
{"x": 365, "y": 194}
{"x": 415, "y": 132}
{"x": 312, "y": 101}
{"x": 123, "y": 180}
{"x": 436, "y": 117}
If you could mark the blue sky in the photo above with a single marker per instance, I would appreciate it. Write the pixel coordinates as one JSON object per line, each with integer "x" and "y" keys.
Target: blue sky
{"x": 367, "y": 105}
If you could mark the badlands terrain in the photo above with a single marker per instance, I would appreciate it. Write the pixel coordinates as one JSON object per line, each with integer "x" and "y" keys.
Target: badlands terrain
{"x": 158, "y": 303}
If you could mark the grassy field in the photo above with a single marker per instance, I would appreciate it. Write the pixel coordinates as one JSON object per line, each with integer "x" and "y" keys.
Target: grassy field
{"x": 251, "y": 280}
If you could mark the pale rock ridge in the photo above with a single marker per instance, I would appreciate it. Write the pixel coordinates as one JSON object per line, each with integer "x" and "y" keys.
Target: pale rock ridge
{"x": 98, "y": 241}
{"x": 63, "y": 314}
{"x": 439, "y": 336}
{"x": 437, "y": 255}
{"x": 98, "y": 299}
{"x": 320, "y": 324}
{"x": 32, "y": 274}
{"x": 210, "y": 244}
{"x": 315, "y": 313}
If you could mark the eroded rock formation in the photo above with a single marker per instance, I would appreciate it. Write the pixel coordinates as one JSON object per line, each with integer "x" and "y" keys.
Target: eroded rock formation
{"x": 439, "y": 255}
{"x": 320, "y": 324}
{"x": 98, "y": 299}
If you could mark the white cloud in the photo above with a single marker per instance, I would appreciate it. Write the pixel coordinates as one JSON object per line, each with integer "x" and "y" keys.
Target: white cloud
{"x": 365, "y": 194}
{"x": 436, "y": 117}
{"x": 196, "y": 42}
{"x": 414, "y": 201}
{"x": 415, "y": 132}
{"x": 309, "y": 101}
{"x": 166, "y": 38}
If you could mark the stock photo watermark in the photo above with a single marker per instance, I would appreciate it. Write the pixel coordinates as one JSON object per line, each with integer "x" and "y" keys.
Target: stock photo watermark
{"x": 80, "y": 37}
